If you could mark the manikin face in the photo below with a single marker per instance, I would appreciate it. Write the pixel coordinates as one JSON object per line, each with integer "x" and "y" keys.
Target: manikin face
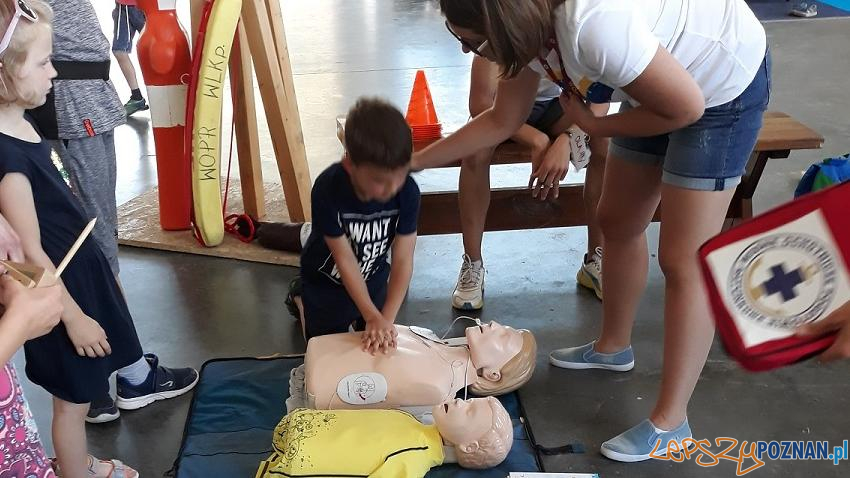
{"x": 463, "y": 422}
{"x": 492, "y": 346}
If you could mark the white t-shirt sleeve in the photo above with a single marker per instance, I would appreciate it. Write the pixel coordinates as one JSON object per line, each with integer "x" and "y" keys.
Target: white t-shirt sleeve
{"x": 617, "y": 45}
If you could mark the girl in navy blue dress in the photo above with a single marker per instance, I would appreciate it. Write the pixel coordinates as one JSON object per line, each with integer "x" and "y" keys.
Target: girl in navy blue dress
{"x": 96, "y": 335}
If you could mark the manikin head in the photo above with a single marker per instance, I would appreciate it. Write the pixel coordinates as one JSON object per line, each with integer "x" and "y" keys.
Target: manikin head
{"x": 479, "y": 429}
{"x": 503, "y": 356}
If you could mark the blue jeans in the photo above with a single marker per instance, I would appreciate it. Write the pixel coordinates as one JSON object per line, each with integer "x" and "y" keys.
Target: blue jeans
{"x": 711, "y": 154}
{"x": 127, "y": 21}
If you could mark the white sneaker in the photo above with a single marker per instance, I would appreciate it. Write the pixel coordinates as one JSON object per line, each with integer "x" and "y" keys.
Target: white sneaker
{"x": 590, "y": 274}
{"x": 469, "y": 291}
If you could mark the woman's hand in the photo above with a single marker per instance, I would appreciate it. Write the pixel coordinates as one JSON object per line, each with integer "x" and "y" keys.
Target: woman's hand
{"x": 838, "y": 321}
{"x": 577, "y": 112}
{"x": 546, "y": 177}
{"x": 37, "y": 311}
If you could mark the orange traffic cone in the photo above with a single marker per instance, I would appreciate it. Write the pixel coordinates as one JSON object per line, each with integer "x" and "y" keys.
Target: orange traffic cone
{"x": 421, "y": 115}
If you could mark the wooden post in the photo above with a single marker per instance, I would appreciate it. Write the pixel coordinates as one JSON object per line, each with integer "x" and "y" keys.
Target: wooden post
{"x": 284, "y": 127}
{"x": 279, "y": 33}
{"x": 247, "y": 138}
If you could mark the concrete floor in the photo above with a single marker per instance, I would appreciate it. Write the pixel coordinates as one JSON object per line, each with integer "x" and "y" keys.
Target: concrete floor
{"x": 189, "y": 309}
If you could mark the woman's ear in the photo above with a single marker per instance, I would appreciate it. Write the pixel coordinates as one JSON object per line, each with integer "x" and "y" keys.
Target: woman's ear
{"x": 492, "y": 375}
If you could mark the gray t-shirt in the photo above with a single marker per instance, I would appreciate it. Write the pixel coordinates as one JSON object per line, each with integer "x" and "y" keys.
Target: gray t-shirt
{"x": 77, "y": 36}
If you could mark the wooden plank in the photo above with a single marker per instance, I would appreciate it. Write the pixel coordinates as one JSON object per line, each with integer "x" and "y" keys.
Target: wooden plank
{"x": 510, "y": 209}
{"x": 514, "y": 209}
{"x": 781, "y": 132}
{"x": 247, "y": 137}
{"x": 285, "y": 131}
{"x": 779, "y": 135}
{"x": 279, "y": 33}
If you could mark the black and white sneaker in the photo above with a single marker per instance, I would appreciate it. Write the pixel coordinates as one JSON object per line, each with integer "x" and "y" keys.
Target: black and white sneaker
{"x": 102, "y": 411}
{"x": 162, "y": 383}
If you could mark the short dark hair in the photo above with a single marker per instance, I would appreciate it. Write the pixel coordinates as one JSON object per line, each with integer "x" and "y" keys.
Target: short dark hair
{"x": 376, "y": 133}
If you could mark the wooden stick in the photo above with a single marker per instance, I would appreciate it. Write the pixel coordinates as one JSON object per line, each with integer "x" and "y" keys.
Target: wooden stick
{"x": 284, "y": 128}
{"x": 247, "y": 137}
{"x": 17, "y": 271}
{"x": 279, "y": 34}
{"x": 74, "y": 248}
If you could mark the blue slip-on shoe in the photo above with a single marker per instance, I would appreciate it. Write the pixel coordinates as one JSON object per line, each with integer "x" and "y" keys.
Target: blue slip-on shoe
{"x": 585, "y": 357}
{"x": 638, "y": 443}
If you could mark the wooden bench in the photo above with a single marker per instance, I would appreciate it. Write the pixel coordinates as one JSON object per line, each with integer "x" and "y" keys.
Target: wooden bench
{"x": 514, "y": 208}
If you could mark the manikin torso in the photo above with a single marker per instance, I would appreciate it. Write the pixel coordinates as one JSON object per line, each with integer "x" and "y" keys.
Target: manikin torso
{"x": 419, "y": 372}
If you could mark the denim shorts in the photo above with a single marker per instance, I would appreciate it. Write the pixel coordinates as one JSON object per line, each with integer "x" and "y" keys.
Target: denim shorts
{"x": 127, "y": 21}
{"x": 711, "y": 154}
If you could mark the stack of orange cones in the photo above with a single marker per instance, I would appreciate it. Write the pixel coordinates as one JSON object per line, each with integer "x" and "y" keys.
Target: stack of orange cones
{"x": 421, "y": 115}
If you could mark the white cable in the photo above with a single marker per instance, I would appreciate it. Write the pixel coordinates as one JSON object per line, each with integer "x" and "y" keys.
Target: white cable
{"x": 466, "y": 317}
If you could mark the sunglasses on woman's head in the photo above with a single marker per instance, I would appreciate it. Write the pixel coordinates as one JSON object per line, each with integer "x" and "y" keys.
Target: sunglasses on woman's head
{"x": 21, "y": 10}
{"x": 466, "y": 44}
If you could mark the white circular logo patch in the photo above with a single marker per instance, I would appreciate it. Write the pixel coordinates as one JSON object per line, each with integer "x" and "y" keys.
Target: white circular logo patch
{"x": 783, "y": 281}
{"x": 362, "y": 388}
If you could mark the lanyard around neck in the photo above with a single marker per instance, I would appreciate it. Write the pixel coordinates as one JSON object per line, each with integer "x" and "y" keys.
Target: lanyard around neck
{"x": 565, "y": 83}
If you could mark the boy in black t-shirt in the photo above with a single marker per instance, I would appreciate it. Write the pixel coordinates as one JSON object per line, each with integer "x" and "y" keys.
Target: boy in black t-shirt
{"x": 363, "y": 207}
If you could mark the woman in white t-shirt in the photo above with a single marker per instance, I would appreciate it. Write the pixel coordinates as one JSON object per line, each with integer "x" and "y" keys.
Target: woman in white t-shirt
{"x": 694, "y": 78}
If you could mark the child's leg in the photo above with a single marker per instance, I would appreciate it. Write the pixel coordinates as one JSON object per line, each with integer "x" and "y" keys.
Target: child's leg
{"x": 474, "y": 200}
{"x": 69, "y": 438}
{"x": 123, "y": 59}
{"x": 473, "y": 203}
{"x": 590, "y": 273}
{"x": 688, "y": 219}
{"x": 593, "y": 181}
{"x": 122, "y": 43}
{"x": 594, "y": 176}
{"x": 631, "y": 195}
{"x": 69, "y": 441}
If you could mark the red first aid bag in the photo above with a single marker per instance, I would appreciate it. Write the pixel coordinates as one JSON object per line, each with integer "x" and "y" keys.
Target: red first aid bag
{"x": 776, "y": 272}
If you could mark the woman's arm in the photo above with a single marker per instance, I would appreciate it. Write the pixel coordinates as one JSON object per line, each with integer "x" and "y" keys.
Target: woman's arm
{"x": 484, "y": 80}
{"x": 513, "y": 102}
{"x": 668, "y": 97}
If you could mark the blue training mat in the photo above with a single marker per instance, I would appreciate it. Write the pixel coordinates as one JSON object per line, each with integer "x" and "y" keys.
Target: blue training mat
{"x": 238, "y": 402}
